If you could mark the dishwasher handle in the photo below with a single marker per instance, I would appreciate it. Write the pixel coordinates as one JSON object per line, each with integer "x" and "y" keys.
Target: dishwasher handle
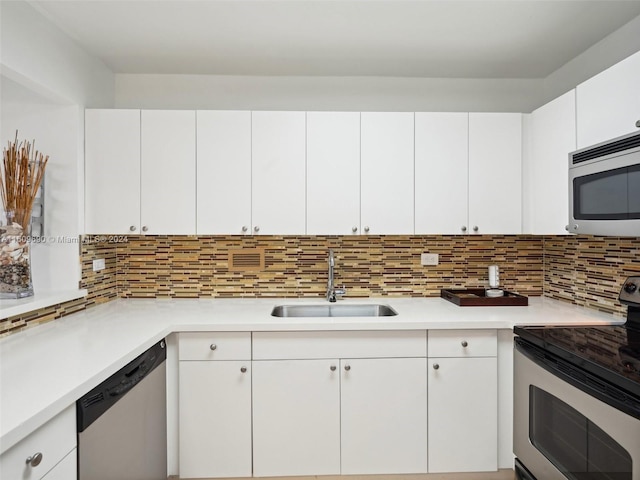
{"x": 97, "y": 401}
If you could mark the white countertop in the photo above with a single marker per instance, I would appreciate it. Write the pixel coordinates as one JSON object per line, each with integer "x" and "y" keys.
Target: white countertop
{"x": 47, "y": 368}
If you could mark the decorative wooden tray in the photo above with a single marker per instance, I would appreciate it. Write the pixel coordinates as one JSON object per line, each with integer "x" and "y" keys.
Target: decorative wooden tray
{"x": 475, "y": 297}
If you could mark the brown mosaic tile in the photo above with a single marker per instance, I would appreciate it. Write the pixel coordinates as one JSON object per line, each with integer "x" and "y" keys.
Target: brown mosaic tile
{"x": 589, "y": 270}
{"x": 584, "y": 270}
{"x": 101, "y": 286}
{"x": 296, "y": 266}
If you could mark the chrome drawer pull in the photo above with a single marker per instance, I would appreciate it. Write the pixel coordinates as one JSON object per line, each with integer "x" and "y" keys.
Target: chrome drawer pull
{"x": 34, "y": 460}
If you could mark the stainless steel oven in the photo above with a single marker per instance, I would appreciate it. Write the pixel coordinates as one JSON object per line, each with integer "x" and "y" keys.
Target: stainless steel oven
{"x": 562, "y": 432}
{"x": 604, "y": 186}
{"x": 577, "y": 399}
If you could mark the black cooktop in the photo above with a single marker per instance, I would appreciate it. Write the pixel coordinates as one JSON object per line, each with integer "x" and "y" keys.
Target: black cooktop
{"x": 611, "y": 352}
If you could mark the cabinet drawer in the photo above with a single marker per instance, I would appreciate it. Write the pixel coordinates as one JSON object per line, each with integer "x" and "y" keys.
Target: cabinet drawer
{"x": 66, "y": 469}
{"x": 462, "y": 343}
{"x": 332, "y": 344}
{"x": 214, "y": 346}
{"x": 53, "y": 441}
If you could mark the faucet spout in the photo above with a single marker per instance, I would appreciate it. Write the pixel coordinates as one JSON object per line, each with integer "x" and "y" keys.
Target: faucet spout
{"x": 332, "y": 291}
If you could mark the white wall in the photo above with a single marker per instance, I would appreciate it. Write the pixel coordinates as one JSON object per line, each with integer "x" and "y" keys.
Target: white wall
{"x": 607, "y": 52}
{"x": 326, "y": 93}
{"x": 373, "y": 93}
{"x": 38, "y": 55}
{"x": 46, "y": 80}
{"x": 54, "y": 127}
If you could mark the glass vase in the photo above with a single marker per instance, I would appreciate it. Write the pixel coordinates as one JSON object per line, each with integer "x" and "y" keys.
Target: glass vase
{"x": 16, "y": 280}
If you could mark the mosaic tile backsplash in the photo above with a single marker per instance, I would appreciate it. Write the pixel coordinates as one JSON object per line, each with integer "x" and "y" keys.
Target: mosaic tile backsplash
{"x": 584, "y": 270}
{"x": 182, "y": 266}
{"x": 590, "y": 270}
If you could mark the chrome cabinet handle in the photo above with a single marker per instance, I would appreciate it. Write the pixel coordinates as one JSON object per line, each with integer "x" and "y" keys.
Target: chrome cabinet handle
{"x": 354, "y": 229}
{"x": 475, "y": 228}
{"x": 347, "y": 367}
{"x": 638, "y": 124}
{"x": 145, "y": 228}
{"x": 332, "y": 368}
{"x": 464, "y": 343}
{"x": 436, "y": 366}
{"x": 34, "y": 460}
{"x": 463, "y": 228}
{"x": 243, "y": 369}
{"x": 132, "y": 228}
{"x": 244, "y": 228}
{"x": 366, "y": 229}
{"x": 213, "y": 346}
{"x": 256, "y": 229}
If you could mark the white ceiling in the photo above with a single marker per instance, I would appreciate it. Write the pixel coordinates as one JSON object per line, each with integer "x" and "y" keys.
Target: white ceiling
{"x": 421, "y": 38}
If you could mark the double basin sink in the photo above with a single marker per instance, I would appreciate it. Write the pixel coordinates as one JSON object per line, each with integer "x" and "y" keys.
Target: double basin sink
{"x": 333, "y": 310}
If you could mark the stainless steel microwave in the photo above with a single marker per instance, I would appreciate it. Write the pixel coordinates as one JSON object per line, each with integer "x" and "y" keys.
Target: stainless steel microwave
{"x": 604, "y": 188}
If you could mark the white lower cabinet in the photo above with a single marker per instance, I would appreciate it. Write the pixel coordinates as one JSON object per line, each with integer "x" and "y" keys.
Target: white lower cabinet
{"x": 337, "y": 403}
{"x": 214, "y": 405}
{"x": 66, "y": 469}
{"x": 296, "y": 417}
{"x": 463, "y": 401}
{"x": 348, "y": 404}
{"x": 384, "y": 415}
{"x": 41, "y": 454}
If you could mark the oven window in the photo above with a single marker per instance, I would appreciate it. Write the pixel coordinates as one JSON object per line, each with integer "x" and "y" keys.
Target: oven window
{"x": 610, "y": 195}
{"x": 575, "y": 445}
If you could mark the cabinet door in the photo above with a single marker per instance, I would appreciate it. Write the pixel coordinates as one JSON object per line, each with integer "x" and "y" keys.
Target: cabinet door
{"x": 384, "y": 416}
{"x": 296, "y": 418}
{"x": 442, "y": 161}
{"x": 463, "y": 414}
{"x": 224, "y": 172}
{"x": 333, "y": 173}
{"x": 495, "y": 180}
{"x": 215, "y": 419}
{"x": 278, "y": 172}
{"x": 65, "y": 470}
{"x": 168, "y": 172}
{"x": 550, "y": 135}
{"x": 387, "y": 173}
{"x": 112, "y": 171}
{"x": 608, "y": 105}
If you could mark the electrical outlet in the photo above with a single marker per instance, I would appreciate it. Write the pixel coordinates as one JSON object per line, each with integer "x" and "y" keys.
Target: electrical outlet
{"x": 429, "y": 259}
{"x": 98, "y": 264}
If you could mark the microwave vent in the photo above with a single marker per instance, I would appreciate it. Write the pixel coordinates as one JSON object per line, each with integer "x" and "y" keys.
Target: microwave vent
{"x": 616, "y": 146}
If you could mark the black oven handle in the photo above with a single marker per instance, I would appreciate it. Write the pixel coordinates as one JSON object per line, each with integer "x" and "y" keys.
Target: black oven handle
{"x": 581, "y": 379}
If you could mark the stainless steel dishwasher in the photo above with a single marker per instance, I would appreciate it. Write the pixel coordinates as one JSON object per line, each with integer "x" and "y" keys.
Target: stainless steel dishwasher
{"x": 122, "y": 423}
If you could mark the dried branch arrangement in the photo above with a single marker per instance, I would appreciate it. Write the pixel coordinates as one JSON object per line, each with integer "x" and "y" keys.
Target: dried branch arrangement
{"x": 22, "y": 172}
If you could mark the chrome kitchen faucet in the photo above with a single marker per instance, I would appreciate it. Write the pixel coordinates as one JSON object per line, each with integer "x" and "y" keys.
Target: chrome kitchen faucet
{"x": 332, "y": 291}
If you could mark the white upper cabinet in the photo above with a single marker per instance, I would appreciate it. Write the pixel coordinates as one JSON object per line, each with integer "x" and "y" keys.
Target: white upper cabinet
{"x": 333, "y": 173}
{"x": 223, "y": 172}
{"x": 495, "y": 180}
{"x": 608, "y": 105}
{"x": 387, "y": 198}
{"x": 168, "y": 172}
{"x": 441, "y": 173}
{"x": 112, "y": 171}
{"x": 550, "y": 134}
{"x": 278, "y": 173}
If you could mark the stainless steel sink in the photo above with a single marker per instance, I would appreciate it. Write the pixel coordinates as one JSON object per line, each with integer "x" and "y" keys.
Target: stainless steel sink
{"x": 372, "y": 310}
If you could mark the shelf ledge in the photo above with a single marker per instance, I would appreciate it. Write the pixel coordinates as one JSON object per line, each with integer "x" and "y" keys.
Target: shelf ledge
{"x": 9, "y": 308}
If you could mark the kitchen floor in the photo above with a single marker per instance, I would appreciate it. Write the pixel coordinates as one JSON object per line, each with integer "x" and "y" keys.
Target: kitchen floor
{"x": 506, "y": 474}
